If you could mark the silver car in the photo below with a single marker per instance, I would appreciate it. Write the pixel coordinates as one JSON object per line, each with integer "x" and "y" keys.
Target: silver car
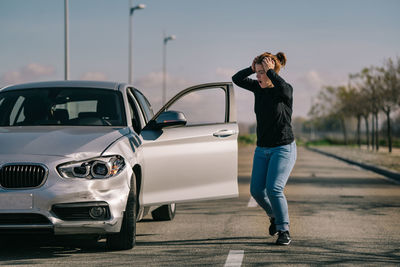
{"x": 82, "y": 157}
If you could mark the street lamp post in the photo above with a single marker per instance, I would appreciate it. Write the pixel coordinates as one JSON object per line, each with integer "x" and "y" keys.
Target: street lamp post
{"x": 165, "y": 40}
{"x": 131, "y": 10}
{"x": 66, "y": 47}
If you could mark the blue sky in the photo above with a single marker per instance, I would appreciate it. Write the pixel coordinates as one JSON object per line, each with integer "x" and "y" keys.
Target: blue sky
{"x": 324, "y": 41}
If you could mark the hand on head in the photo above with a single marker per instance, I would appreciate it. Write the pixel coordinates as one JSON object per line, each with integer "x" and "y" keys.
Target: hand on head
{"x": 268, "y": 63}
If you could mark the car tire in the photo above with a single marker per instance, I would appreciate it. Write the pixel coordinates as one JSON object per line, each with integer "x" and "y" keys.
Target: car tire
{"x": 164, "y": 213}
{"x": 126, "y": 238}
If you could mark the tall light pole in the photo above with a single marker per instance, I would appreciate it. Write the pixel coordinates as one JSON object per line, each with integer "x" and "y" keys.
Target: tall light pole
{"x": 66, "y": 47}
{"x": 165, "y": 40}
{"x": 131, "y": 10}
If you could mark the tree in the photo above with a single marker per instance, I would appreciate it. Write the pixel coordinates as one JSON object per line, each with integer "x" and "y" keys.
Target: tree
{"x": 389, "y": 83}
{"x": 369, "y": 92}
{"x": 361, "y": 105}
{"x": 369, "y": 82}
{"x": 357, "y": 108}
{"x": 333, "y": 102}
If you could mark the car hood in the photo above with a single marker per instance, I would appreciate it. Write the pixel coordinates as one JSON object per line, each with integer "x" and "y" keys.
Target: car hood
{"x": 75, "y": 142}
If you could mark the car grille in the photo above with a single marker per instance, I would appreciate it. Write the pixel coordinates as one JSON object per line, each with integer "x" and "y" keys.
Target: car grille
{"x": 24, "y": 223}
{"x": 22, "y": 218}
{"x": 22, "y": 176}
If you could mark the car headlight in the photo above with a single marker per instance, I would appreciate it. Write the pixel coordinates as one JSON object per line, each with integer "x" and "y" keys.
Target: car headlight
{"x": 97, "y": 168}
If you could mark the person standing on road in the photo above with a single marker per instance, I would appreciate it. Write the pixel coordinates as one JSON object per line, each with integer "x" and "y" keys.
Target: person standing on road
{"x": 276, "y": 151}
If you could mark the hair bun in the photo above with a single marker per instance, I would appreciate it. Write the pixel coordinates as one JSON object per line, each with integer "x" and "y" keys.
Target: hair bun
{"x": 282, "y": 58}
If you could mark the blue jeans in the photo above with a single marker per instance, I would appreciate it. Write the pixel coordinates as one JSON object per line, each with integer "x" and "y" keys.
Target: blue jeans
{"x": 271, "y": 170}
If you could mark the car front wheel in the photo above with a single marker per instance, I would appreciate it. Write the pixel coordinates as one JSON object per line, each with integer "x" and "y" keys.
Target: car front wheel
{"x": 164, "y": 213}
{"x": 126, "y": 238}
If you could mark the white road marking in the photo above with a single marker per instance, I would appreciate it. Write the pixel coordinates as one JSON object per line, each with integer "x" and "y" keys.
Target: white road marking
{"x": 252, "y": 203}
{"x": 235, "y": 258}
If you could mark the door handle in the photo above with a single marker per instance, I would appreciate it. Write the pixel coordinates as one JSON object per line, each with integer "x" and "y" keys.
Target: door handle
{"x": 224, "y": 133}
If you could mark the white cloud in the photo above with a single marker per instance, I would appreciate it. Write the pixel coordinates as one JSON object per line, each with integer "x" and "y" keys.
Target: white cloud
{"x": 151, "y": 86}
{"x": 37, "y": 70}
{"x": 93, "y": 76}
{"x": 29, "y": 73}
{"x": 307, "y": 85}
{"x": 11, "y": 77}
{"x": 313, "y": 79}
{"x": 225, "y": 73}
{"x": 155, "y": 79}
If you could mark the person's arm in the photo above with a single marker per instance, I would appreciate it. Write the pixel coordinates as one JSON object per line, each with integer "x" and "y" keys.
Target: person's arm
{"x": 285, "y": 89}
{"x": 241, "y": 78}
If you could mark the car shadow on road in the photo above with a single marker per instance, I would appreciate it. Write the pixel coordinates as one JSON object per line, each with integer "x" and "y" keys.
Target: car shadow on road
{"x": 42, "y": 246}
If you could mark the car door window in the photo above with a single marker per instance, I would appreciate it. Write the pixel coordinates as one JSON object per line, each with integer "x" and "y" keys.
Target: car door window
{"x": 134, "y": 114}
{"x": 145, "y": 105}
{"x": 206, "y": 106}
{"x": 16, "y": 114}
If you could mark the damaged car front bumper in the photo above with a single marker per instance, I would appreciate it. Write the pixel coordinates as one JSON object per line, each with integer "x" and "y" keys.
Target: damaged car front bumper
{"x": 58, "y": 205}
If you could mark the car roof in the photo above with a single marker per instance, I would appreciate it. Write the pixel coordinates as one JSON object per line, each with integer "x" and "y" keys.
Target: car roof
{"x": 69, "y": 84}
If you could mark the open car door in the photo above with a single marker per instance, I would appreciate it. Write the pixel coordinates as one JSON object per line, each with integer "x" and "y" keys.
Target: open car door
{"x": 190, "y": 147}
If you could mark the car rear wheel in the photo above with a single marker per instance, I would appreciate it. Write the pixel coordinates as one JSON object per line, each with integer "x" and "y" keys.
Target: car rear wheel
{"x": 126, "y": 238}
{"x": 164, "y": 213}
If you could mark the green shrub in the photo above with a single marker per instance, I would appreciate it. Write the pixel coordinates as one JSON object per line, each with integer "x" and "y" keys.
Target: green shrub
{"x": 300, "y": 142}
{"x": 325, "y": 142}
{"x": 395, "y": 142}
{"x": 249, "y": 139}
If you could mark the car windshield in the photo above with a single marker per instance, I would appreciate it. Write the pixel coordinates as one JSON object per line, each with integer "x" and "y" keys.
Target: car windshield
{"x": 61, "y": 106}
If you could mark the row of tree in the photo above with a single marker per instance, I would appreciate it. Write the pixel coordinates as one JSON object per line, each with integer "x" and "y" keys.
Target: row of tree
{"x": 368, "y": 93}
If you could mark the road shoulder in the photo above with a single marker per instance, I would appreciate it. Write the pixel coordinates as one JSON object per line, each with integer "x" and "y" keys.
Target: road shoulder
{"x": 359, "y": 158}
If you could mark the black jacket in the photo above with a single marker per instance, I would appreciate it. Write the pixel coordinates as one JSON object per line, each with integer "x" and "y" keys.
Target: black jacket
{"x": 273, "y": 108}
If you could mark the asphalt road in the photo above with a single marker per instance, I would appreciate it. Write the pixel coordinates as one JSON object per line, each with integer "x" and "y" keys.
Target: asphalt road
{"x": 340, "y": 215}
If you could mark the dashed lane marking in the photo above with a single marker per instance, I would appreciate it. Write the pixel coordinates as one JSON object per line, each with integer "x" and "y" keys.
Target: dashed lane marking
{"x": 235, "y": 258}
{"x": 252, "y": 203}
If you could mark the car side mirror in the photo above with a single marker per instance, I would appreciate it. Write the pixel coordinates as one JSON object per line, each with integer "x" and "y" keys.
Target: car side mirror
{"x": 168, "y": 119}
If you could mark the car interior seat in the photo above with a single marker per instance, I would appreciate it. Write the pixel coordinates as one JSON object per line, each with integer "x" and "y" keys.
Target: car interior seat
{"x": 61, "y": 115}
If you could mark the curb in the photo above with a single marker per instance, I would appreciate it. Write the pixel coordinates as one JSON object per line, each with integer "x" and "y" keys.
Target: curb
{"x": 387, "y": 173}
